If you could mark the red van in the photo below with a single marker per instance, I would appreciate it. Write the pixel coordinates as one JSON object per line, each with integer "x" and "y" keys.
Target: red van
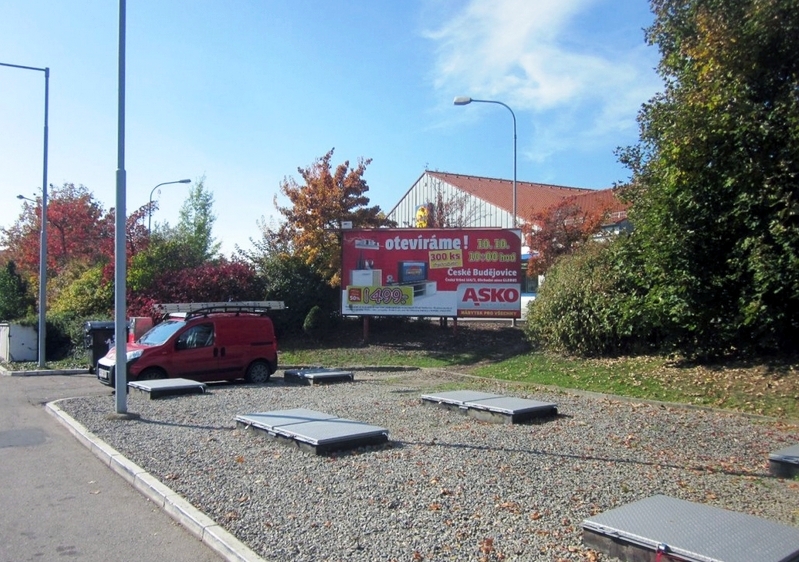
{"x": 210, "y": 342}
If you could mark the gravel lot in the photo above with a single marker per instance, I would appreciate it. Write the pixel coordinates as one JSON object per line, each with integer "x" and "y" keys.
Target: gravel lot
{"x": 445, "y": 487}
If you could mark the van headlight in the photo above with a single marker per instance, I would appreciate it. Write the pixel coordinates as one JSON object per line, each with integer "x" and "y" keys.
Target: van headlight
{"x": 131, "y": 355}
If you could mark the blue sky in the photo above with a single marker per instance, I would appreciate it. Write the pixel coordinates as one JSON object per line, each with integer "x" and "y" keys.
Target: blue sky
{"x": 243, "y": 92}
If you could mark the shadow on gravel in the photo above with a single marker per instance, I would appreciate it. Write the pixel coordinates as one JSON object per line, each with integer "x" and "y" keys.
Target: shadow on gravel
{"x": 186, "y": 425}
{"x": 535, "y": 452}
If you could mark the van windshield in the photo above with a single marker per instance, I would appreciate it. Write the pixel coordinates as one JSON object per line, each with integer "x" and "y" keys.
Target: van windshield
{"x": 157, "y": 335}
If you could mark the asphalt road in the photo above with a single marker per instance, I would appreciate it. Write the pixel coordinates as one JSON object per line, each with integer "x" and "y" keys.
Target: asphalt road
{"x": 59, "y": 502}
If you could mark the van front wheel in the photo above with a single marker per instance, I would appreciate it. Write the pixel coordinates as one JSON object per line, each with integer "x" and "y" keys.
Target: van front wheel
{"x": 152, "y": 374}
{"x": 259, "y": 372}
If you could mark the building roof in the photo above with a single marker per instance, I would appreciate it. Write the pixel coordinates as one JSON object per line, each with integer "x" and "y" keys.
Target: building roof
{"x": 534, "y": 198}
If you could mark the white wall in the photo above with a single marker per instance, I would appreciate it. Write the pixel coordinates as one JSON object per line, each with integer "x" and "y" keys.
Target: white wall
{"x": 18, "y": 343}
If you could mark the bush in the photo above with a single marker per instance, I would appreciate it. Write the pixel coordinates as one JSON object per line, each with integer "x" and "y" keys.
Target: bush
{"x": 316, "y": 323}
{"x": 87, "y": 295}
{"x": 64, "y": 337}
{"x": 590, "y": 306}
{"x": 301, "y": 287}
{"x": 15, "y": 300}
{"x": 221, "y": 281}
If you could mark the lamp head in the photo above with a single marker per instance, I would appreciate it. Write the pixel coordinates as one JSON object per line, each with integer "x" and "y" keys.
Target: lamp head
{"x": 184, "y": 181}
{"x": 462, "y": 100}
{"x": 20, "y": 197}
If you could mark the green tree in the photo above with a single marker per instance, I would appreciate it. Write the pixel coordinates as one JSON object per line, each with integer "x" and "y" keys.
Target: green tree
{"x": 312, "y": 226}
{"x": 15, "y": 299}
{"x": 88, "y": 294}
{"x": 289, "y": 278}
{"x": 195, "y": 224}
{"x": 165, "y": 254}
{"x": 316, "y": 324}
{"x": 301, "y": 287}
{"x": 715, "y": 187}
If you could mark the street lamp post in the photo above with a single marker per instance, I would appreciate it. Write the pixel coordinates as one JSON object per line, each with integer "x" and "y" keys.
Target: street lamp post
{"x": 43, "y": 236}
{"x": 120, "y": 260}
{"x": 150, "y": 205}
{"x": 465, "y": 100}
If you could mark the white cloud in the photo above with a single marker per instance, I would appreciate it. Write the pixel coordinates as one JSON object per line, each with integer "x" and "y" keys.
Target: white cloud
{"x": 535, "y": 56}
{"x": 500, "y": 47}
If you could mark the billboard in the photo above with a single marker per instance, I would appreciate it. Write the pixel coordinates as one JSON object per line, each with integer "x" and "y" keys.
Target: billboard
{"x": 452, "y": 272}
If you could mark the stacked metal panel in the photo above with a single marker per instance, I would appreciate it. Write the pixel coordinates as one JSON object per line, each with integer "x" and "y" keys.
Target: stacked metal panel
{"x": 313, "y": 431}
{"x": 492, "y": 407}
{"x": 317, "y": 375}
{"x": 168, "y": 387}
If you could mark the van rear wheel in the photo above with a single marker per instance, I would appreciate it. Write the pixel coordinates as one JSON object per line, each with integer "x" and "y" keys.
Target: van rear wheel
{"x": 259, "y": 372}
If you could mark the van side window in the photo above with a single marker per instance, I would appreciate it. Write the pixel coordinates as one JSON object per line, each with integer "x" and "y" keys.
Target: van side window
{"x": 201, "y": 335}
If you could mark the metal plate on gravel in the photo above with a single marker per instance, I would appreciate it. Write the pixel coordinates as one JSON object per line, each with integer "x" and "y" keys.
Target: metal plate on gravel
{"x": 458, "y": 397}
{"x": 784, "y": 463}
{"x": 278, "y": 418}
{"x": 511, "y": 405}
{"x": 317, "y": 375}
{"x": 327, "y": 432}
{"x": 168, "y": 387}
{"x": 315, "y": 431}
{"x": 788, "y": 454}
{"x": 689, "y": 531}
{"x": 492, "y": 407}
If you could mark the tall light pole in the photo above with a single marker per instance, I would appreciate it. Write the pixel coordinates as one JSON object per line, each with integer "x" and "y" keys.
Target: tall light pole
{"x": 150, "y": 205}
{"x": 120, "y": 266}
{"x": 43, "y": 235}
{"x": 464, "y": 100}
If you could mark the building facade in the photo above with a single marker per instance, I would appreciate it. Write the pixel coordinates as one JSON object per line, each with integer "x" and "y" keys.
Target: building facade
{"x": 440, "y": 199}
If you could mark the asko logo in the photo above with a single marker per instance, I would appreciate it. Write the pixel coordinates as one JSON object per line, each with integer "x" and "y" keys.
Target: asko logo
{"x": 491, "y": 294}
{"x": 489, "y": 297}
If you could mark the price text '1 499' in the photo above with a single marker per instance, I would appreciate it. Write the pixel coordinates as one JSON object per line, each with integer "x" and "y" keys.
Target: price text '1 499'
{"x": 386, "y": 295}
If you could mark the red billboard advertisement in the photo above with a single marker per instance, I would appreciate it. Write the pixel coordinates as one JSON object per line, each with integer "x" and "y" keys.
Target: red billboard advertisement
{"x": 451, "y": 272}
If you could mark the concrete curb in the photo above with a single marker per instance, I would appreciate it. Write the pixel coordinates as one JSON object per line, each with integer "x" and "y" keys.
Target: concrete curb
{"x": 43, "y": 372}
{"x": 193, "y": 520}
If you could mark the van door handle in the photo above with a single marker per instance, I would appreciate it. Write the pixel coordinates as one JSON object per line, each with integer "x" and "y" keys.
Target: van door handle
{"x": 216, "y": 351}
{"x": 222, "y": 352}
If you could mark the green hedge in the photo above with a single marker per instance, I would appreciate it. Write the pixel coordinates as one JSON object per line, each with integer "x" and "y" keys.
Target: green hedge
{"x": 590, "y": 305}
{"x": 65, "y": 334}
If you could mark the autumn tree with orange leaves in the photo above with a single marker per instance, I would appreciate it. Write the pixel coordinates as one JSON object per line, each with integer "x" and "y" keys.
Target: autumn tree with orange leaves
{"x": 80, "y": 232}
{"x": 80, "y": 247}
{"x": 328, "y": 197}
{"x": 79, "y": 229}
{"x": 558, "y": 231}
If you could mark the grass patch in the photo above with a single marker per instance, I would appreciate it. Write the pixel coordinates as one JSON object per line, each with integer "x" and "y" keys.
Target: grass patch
{"x": 403, "y": 342}
{"x": 633, "y": 377}
{"x": 767, "y": 387}
{"x": 62, "y": 364}
{"x": 371, "y": 356}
